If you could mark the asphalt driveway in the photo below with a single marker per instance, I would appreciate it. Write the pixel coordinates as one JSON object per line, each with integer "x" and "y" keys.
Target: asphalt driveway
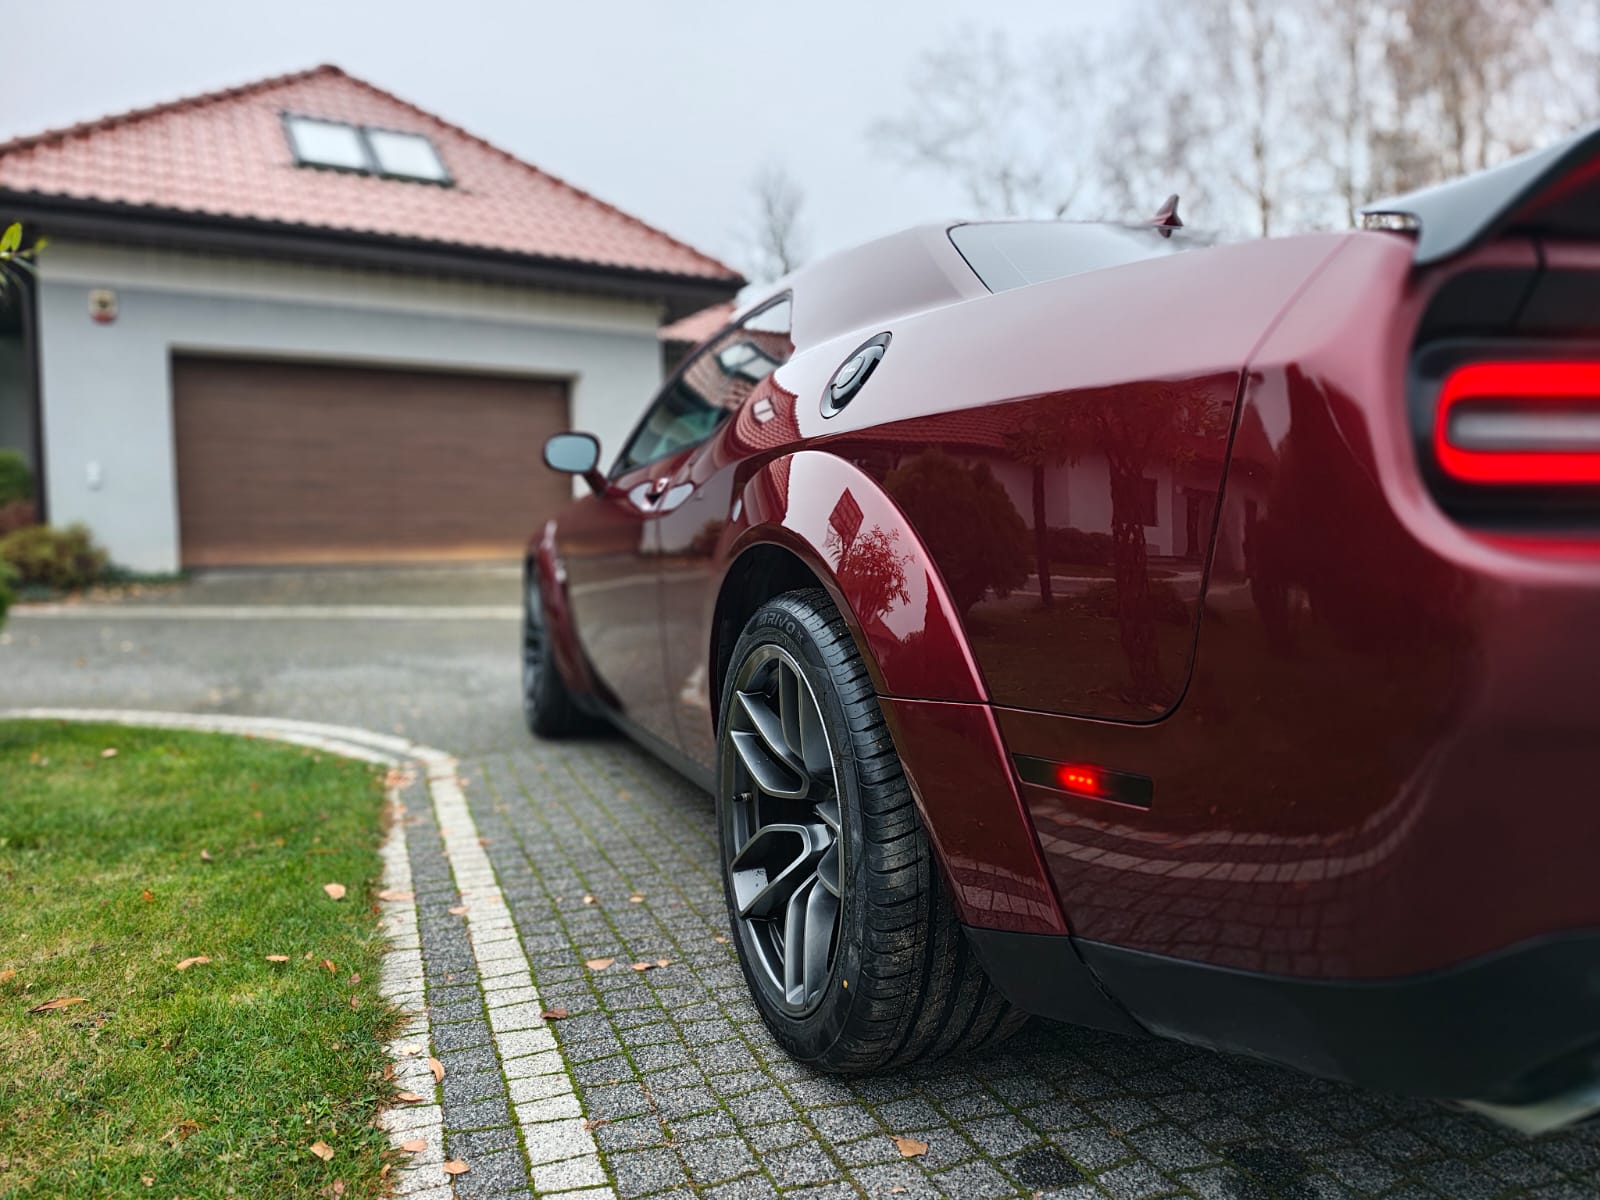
{"x": 684, "y": 1091}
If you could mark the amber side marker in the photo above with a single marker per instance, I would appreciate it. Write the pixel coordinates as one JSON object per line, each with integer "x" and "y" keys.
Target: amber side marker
{"x": 1086, "y": 779}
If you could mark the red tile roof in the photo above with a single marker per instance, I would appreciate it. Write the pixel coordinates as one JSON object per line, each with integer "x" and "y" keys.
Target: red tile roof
{"x": 697, "y": 327}
{"x": 226, "y": 154}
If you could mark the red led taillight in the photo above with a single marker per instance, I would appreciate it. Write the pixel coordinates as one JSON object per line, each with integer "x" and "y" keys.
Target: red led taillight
{"x": 1086, "y": 781}
{"x": 1524, "y": 424}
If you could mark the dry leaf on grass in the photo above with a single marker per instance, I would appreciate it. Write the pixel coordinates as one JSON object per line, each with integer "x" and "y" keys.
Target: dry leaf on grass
{"x": 383, "y": 1171}
{"x": 7, "y": 975}
{"x": 355, "y": 1001}
{"x": 407, "y": 1097}
{"x": 599, "y": 964}
{"x": 334, "y": 890}
{"x": 147, "y": 895}
{"x": 322, "y": 1150}
{"x": 460, "y": 910}
{"x": 205, "y": 856}
{"x": 148, "y": 1180}
{"x": 329, "y": 966}
{"x": 909, "y": 1147}
{"x": 197, "y": 960}
{"x": 414, "y": 1146}
{"x": 391, "y": 894}
{"x": 456, "y": 1167}
{"x": 109, "y": 752}
{"x": 336, "y": 1189}
{"x": 437, "y": 1068}
{"x": 58, "y": 1003}
{"x": 554, "y": 1014}
{"x": 277, "y": 958}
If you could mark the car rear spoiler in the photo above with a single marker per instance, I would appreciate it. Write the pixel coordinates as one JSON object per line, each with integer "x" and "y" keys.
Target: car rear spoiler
{"x": 1554, "y": 192}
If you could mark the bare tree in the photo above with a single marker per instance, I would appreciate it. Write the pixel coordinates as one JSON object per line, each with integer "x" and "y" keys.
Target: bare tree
{"x": 1001, "y": 126}
{"x": 777, "y": 238}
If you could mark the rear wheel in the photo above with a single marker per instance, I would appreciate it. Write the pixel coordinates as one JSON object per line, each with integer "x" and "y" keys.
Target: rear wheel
{"x": 547, "y": 705}
{"x": 846, "y": 934}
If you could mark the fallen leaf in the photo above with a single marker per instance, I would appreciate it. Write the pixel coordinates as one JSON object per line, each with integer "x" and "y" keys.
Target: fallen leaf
{"x": 148, "y": 1180}
{"x": 407, "y": 1097}
{"x": 391, "y": 894}
{"x": 356, "y": 978}
{"x": 663, "y": 962}
{"x": 409, "y": 1051}
{"x": 599, "y": 964}
{"x": 197, "y": 960}
{"x": 588, "y": 899}
{"x": 909, "y": 1147}
{"x": 554, "y": 1014}
{"x": 59, "y": 1002}
{"x": 7, "y": 975}
{"x": 355, "y": 1001}
{"x": 147, "y": 895}
{"x": 277, "y": 958}
{"x": 205, "y": 856}
{"x": 328, "y": 965}
{"x": 456, "y": 1167}
{"x": 384, "y": 1170}
{"x": 109, "y": 752}
{"x": 594, "y": 1123}
{"x": 184, "y": 1130}
{"x": 636, "y": 898}
{"x": 337, "y": 1189}
{"x": 437, "y": 1068}
{"x": 322, "y": 1150}
{"x": 720, "y": 938}
{"x": 459, "y": 910}
{"x": 897, "y": 1189}
{"x": 414, "y": 1146}
{"x": 644, "y": 966}
{"x": 334, "y": 890}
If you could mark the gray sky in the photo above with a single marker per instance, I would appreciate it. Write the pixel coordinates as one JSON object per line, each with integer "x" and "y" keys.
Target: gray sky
{"x": 664, "y": 109}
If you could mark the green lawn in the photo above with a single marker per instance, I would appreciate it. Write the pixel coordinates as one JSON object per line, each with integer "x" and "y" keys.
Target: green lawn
{"x": 214, "y": 1080}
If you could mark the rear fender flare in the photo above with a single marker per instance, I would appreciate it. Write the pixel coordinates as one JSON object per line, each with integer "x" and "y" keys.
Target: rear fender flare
{"x": 848, "y": 532}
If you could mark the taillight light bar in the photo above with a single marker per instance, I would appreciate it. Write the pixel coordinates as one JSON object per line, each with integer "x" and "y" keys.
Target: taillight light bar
{"x": 1523, "y": 424}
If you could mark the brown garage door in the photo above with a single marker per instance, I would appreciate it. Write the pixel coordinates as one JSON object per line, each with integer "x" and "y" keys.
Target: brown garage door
{"x": 306, "y": 463}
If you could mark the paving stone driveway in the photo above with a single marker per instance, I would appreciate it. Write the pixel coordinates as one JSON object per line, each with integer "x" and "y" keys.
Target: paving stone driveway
{"x": 684, "y": 1090}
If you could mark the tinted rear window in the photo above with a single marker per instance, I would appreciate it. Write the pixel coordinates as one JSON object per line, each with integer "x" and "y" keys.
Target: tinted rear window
{"x": 1013, "y": 254}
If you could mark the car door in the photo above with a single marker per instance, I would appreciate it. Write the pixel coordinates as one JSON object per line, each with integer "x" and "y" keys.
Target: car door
{"x": 691, "y": 513}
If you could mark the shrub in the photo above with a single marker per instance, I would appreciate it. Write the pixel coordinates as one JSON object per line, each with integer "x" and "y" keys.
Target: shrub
{"x": 7, "y": 577}
{"x": 17, "y": 514}
{"x": 16, "y": 481}
{"x": 1166, "y": 604}
{"x": 64, "y": 559}
{"x": 1069, "y": 545}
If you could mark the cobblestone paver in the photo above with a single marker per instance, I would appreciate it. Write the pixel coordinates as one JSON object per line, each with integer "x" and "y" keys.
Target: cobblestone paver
{"x": 682, "y": 1090}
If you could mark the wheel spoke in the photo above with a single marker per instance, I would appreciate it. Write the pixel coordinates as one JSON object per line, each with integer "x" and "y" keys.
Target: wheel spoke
{"x": 777, "y": 770}
{"x": 816, "y": 947}
{"x": 828, "y": 869}
{"x": 789, "y": 707}
{"x": 773, "y": 864}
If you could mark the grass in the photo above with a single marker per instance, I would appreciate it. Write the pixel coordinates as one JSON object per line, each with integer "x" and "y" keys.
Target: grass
{"x": 212, "y": 1081}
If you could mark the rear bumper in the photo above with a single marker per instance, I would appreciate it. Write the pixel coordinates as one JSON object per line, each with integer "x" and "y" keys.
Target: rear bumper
{"x": 1513, "y": 1028}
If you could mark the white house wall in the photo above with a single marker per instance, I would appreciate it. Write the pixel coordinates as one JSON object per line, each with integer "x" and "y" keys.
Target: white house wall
{"x": 107, "y": 388}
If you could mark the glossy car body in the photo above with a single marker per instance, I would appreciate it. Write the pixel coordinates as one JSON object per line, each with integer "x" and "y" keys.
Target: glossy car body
{"x": 1231, "y": 717}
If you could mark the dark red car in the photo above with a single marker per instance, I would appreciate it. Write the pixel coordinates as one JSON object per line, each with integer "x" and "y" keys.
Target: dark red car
{"x": 1086, "y": 621}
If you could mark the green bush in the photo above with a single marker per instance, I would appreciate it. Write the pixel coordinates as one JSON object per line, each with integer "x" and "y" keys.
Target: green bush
{"x": 17, "y": 514}
{"x": 16, "y": 481}
{"x": 7, "y": 577}
{"x": 43, "y": 556}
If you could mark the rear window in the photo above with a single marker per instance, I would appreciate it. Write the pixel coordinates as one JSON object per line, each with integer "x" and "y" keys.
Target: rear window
{"x": 1013, "y": 254}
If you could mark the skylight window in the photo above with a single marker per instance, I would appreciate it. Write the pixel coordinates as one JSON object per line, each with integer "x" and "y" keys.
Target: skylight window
{"x": 317, "y": 142}
{"x": 327, "y": 144}
{"x": 407, "y": 154}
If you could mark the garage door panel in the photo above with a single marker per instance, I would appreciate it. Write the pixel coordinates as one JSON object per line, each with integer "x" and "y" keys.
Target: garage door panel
{"x": 303, "y": 463}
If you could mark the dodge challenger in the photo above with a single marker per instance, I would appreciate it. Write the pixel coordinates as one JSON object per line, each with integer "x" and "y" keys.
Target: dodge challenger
{"x": 1098, "y": 622}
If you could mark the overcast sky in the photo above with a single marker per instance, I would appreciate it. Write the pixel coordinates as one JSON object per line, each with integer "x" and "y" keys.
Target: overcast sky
{"x": 664, "y": 109}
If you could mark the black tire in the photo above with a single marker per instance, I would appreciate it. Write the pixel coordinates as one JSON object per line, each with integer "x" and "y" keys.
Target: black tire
{"x": 902, "y": 984}
{"x": 547, "y": 705}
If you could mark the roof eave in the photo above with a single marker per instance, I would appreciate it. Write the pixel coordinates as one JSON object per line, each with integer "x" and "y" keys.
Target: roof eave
{"x": 100, "y": 220}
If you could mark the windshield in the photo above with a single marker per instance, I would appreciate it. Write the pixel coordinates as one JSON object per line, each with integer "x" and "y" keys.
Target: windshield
{"x": 1013, "y": 254}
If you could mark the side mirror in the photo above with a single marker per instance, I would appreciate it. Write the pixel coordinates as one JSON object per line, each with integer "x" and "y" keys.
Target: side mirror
{"x": 576, "y": 454}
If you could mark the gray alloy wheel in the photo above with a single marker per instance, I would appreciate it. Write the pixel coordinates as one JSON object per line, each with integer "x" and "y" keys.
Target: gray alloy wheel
{"x": 786, "y": 833}
{"x": 846, "y": 933}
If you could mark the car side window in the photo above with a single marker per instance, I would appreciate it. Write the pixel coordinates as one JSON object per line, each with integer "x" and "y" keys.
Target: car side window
{"x": 710, "y": 386}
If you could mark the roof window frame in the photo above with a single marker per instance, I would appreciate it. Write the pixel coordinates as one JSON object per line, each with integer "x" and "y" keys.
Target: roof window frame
{"x": 372, "y": 166}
